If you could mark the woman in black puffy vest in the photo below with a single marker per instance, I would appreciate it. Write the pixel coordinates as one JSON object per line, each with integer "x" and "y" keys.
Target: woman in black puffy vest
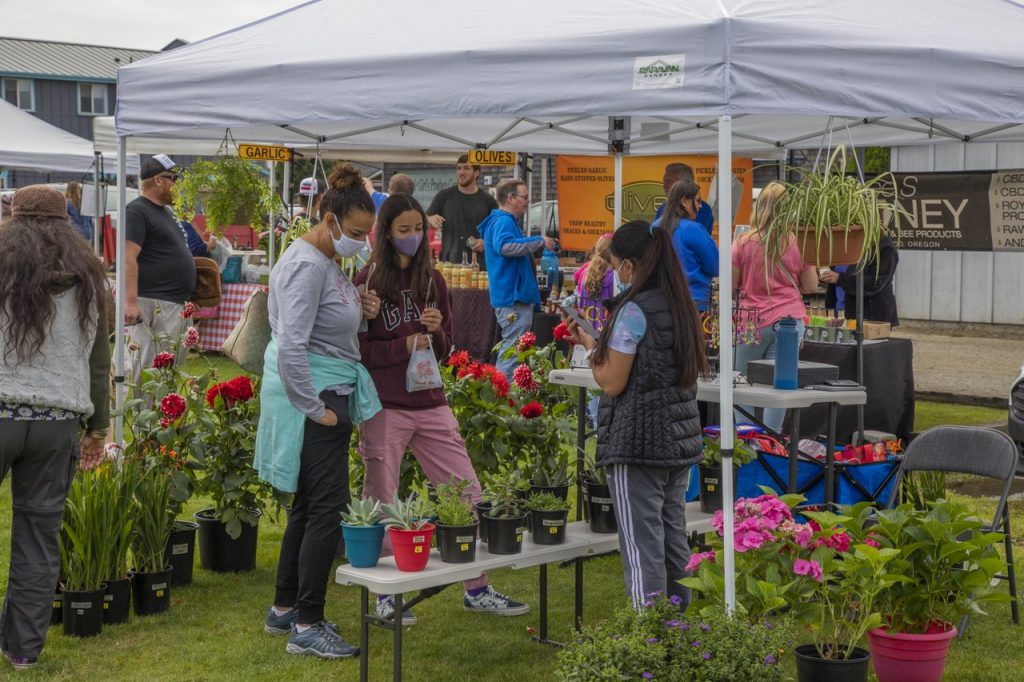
{"x": 647, "y": 362}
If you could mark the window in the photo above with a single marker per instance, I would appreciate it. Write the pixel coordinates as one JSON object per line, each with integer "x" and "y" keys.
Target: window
{"x": 20, "y": 92}
{"x": 92, "y": 99}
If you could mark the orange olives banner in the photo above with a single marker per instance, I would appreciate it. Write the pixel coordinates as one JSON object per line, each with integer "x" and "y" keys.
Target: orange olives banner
{"x": 586, "y": 185}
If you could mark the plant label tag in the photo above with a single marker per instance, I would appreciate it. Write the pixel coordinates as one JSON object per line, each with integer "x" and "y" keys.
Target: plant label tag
{"x": 419, "y": 539}
{"x": 106, "y": 605}
{"x": 519, "y": 537}
{"x": 552, "y": 531}
{"x": 160, "y": 587}
{"x": 159, "y": 593}
{"x": 108, "y": 597}
{"x": 601, "y": 500}
{"x": 463, "y": 538}
{"x": 464, "y": 547}
{"x": 557, "y": 523}
{"x": 606, "y": 507}
{"x": 81, "y": 605}
{"x": 418, "y": 549}
{"x": 179, "y": 549}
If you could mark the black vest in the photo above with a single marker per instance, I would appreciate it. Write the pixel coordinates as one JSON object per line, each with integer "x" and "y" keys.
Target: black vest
{"x": 654, "y": 421}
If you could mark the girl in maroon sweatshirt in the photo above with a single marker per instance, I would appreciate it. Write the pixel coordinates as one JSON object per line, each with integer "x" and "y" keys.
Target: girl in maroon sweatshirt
{"x": 414, "y": 308}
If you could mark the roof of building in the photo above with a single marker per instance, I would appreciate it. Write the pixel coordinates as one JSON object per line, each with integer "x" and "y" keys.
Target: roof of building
{"x": 56, "y": 60}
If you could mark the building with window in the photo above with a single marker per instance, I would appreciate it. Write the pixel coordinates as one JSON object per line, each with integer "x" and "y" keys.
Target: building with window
{"x": 65, "y": 84}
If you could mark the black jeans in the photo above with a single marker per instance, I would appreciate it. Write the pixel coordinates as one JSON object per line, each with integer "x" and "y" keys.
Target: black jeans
{"x": 41, "y": 457}
{"x": 310, "y": 540}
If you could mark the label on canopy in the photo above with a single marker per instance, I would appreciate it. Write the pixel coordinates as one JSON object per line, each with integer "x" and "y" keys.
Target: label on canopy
{"x": 660, "y": 71}
{"x": 264, "y": 152}
{"x": 485, "y": 157}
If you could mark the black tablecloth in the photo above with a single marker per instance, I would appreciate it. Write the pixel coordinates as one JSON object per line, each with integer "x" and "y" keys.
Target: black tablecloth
{"x": 474, "y": 327}
{"x": 888, "y": 376}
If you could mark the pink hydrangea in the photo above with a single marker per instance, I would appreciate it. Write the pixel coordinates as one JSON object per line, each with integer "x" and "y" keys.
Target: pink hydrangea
{"x": 751, "y": 539}
{"x": 698, "y": 558}
{"x": 871, "y": 542}
{"x": 840, "y": 542}
{"x": 808, "y": 567}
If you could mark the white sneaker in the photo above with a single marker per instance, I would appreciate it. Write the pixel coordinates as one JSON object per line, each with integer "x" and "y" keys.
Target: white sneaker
{"x": 386, "y": 610}
{"x": 490, "y": 601}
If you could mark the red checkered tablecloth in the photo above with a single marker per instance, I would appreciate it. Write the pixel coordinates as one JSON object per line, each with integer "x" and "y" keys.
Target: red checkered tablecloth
{"x": 213, "y": 332}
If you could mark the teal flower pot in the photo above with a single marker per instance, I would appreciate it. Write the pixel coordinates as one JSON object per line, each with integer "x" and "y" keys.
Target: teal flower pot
{"x": 362, "y": 544}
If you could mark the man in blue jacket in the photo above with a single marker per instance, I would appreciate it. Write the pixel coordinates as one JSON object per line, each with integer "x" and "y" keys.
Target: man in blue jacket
{"x": 674, "y": 172}
{"x": 510, "y": 271}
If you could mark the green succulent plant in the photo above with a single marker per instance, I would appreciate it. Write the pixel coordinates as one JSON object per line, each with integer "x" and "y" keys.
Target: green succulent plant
{"x": 366, "y": 512}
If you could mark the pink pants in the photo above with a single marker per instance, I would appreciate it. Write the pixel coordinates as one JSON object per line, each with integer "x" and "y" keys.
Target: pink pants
{"x": 433, "y": 436}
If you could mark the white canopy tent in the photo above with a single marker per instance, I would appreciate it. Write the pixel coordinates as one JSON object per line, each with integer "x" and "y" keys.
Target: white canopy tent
{"x": 30, "y": 142}
{"x": 644, "y": 77}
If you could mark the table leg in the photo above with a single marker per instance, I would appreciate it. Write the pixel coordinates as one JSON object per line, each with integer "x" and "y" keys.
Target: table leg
{"x": 830, "y": 446}
{"x": 794, "y": 449}
{"x": 364, "y": 635}
{"x": 543, "y": 630}
{"x": 581, "y": 445}
{"x": 579, "y": 593}
{"x": 396, "y": 625}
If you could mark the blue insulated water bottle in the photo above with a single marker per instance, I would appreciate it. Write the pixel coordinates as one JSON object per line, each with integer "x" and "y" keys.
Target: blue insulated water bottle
{"x": 787, "y": 344}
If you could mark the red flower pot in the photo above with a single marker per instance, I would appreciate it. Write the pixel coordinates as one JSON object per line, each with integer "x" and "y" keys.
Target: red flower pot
{"x": 411, "y": 547}
{"x": 901, "y": 657}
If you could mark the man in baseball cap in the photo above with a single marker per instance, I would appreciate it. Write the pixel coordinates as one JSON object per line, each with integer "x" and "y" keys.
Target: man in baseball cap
{"x": 155, "y": 165}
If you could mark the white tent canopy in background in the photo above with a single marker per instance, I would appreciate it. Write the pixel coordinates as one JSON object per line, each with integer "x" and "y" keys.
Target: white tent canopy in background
{"x": 542, "y": 76}
{"x": 30, "y": 142}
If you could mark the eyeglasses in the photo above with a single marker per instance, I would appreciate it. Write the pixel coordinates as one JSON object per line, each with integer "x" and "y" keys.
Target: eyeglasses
{"x": 173, "y": 177}
{"x": 523, "y": 196}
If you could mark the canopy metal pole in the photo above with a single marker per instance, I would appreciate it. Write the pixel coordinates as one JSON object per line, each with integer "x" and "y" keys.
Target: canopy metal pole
{"x": 543, "y": 194}
{"x": 859, "y": 336}
{"x": 725, "y": 343}
{"x": 617, "y": 192}
{"x": 122, "y": 197}
{"x": 270, "y": 218}
{"x": 98, "y": 211}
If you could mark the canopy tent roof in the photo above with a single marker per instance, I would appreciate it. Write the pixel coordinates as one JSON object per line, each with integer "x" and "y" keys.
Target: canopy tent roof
{"x": 29, "y": 142}
{"x": 546, "y": 76}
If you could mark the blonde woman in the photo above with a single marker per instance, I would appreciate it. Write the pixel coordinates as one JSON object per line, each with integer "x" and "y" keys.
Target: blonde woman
{"x": 595, "y": 283}
{"x": 774, "y": 291}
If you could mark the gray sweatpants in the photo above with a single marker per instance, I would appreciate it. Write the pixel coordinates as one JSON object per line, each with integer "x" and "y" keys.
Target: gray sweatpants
{"x": 649, "y": 505}
{"x": 41, "y": 457}
{"x": 161, "y": 330}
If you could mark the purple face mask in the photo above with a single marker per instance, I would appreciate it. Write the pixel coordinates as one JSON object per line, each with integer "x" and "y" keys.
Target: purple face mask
{"x": 407, "y": 246}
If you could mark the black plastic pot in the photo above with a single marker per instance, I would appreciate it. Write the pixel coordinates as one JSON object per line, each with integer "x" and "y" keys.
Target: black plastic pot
{"x": 812, "y": 668}
{"x": 181, "y": 552}
{"x": 505, "y": 536}
{"x": 56, "y": 615}
{"x": 151, "y": 592}
{"x": 559, "y": 491}
{"x": 457, "y": 544}
{"x": 548, "y": 527}
{"x": 219, "y": 552}
{"x": 481, "y": 509}
{"x": 600, "y": 509}
{"x": 711, "y": 488}
{"x": 83, "y": 612}
{"x": 117, "y": 601}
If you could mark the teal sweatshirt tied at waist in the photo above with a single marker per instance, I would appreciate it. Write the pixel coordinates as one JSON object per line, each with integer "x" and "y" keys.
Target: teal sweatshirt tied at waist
{"x": 281, "y": 427}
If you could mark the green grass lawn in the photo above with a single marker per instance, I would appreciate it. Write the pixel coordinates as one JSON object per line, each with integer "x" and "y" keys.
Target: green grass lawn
{"x": 214, "y": 630}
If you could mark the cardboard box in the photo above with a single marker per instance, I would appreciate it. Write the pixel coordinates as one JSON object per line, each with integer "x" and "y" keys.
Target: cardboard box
{"x": 877, "y": 330}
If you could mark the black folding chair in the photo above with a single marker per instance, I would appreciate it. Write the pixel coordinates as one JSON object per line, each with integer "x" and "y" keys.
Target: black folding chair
{"x": 975, "y": 451}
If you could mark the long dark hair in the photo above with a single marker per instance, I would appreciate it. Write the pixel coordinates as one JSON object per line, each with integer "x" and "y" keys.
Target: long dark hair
{"x": 655, "y": 265}
{"x": 684, "y": 189}
{"x": 39, "y": 258}
{"x": 385, "y": 266}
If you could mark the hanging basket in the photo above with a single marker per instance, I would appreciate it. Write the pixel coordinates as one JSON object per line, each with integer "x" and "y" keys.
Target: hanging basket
{"x": 844, "y": 248}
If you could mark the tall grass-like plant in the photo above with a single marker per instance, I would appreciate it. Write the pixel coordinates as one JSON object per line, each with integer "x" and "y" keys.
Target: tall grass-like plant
{"x": 118, "y": 487}
{"x": 89, "y": 528}
{"x": 827, "y": 206}
{"x": 152, "y": 517}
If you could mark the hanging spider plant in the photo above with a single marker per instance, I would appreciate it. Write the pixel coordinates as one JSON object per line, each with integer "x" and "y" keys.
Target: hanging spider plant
{"x": 837, "y": 218}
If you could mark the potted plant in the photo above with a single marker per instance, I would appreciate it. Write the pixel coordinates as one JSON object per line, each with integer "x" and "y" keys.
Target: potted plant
{"x": 230, "y": 190}
{"x": 710, "y": 470}
{"x": 86, "y": 531}
{"x": 838, "y": 219}
{"x": 548, "y": 516}
{"x": 952, "y": 563}
{"x": 456, "y": 523}
{"x": 117, "y": 489}
{"x": 363, "y": 532}
{"x": 224, "y": 451}
{"x": 826, "y": 574}
{"x": 152, "y": 521}
{"x": 507, "y": 516}
{"x": 597, "y": 497}
{"x": 410, "y": 531}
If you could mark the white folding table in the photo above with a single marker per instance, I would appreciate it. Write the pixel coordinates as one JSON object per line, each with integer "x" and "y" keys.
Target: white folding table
{"x": 385, "y": 578}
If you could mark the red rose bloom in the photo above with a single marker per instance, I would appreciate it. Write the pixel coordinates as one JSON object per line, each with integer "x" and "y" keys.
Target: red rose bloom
{"x": 459, "y": 359}
{"x": 241, "y": 387}
{"x": 561, "y": 332}
{"x": 532, "y": 410}
{"x": 173, "y": 406}
{"x": 163, "y": 360}
{"x": 527, "y": 341}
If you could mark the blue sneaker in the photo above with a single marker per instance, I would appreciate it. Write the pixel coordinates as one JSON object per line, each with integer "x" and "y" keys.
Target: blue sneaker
{"x": 282, "y": 624}
{"x": 319, "y": 640}
{"x": 491, "y": 601}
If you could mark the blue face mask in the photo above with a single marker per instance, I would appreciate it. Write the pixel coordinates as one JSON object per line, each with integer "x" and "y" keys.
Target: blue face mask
{"x": 622, "y": 285}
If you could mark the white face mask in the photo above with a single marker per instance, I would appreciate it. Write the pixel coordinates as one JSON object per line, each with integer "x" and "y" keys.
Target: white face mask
{"x": 346, "y": 246}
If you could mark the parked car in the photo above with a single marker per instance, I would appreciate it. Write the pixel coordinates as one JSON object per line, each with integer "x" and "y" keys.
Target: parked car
{"x": 538, "y": 222}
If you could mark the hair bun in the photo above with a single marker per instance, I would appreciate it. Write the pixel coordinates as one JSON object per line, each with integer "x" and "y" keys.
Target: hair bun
{"x": 344, "y": 176}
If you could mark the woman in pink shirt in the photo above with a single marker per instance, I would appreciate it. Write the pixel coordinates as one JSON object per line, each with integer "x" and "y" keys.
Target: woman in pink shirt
{"x": 773, "y": 292}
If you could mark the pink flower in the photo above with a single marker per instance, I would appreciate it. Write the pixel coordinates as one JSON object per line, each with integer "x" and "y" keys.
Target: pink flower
{"x": 750, "y": 539}
{"x": 188, "y": 310}
{"x": 697, "y": 559}
{"x": 191, "y": 338}
{"x": 163, "y": 360}
{"x": 806, "y": 567}
{"x": 523, "y": 376}
{"x": 840, "y": 542}
{"x": 871, "y": 542}
{"x": 527, "y": 341}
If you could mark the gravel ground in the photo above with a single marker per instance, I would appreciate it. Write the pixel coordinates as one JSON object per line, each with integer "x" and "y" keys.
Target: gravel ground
{"x": 966, "y": 366}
